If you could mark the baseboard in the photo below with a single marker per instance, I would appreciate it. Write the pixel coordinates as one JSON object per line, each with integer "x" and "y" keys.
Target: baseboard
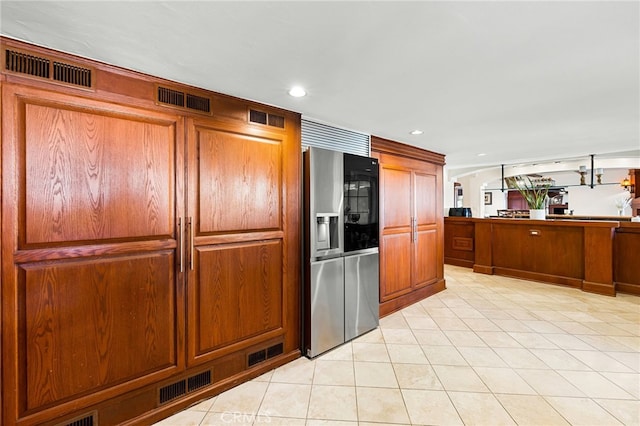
{"x": 405, "y": 300}
{"x": 458, "y": 262}
{"x": 599, "y": 288}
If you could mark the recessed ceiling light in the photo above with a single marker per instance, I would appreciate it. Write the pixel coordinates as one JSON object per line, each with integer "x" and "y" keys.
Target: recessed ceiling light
{"x": 416, "y": 132}
{"x": 297, "y": 92}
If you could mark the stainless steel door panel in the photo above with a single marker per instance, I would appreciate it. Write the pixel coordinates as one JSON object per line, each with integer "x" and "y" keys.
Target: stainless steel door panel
{"x": 361, "y": 288}
{"x": 327, "y": 305}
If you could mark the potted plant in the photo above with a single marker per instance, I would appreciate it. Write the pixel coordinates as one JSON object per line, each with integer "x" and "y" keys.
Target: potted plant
{"x": 534, "y": 192}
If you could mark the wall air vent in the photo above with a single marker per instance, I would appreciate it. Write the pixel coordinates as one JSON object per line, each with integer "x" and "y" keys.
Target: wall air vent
{"x": 274, "y": 350}
{"x": 24, "y": 63}
{"x": 256, "y": 357}
{"x": 198, "y": 381}
{"x": 71, "y": 74}
{"x": 183, "y": 100}
{"x": 48, "y": 68}
{"x": 172, "y": 391}
{"x": 260, "y": 117}
{"x": 90, "y": 419}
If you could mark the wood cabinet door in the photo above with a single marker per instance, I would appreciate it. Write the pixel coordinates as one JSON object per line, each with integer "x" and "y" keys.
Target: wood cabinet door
{"x": 396, "y": 231}
{"x": 425, "y": 244}
{"x": 92, "y": 306}
{"x": 240, "y": 186}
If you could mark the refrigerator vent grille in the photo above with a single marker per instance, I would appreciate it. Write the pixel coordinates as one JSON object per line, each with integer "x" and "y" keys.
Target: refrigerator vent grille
{"x": 321, "y": 135}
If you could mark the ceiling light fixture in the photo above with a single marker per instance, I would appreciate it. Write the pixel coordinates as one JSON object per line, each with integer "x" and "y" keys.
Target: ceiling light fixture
{"x": 416, "y": 132}
{"x": 297, "y": 92}
{"x": 482, "y": 154}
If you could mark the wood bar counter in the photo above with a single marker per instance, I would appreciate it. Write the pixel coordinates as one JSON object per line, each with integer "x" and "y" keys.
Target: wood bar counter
{"x": 595, "y": 256}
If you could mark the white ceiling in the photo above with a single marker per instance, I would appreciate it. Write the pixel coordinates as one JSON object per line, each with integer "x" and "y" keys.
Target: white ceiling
{"x": 518, "y": 81}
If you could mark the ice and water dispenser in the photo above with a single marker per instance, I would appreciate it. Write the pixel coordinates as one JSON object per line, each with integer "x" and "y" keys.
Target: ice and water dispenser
{"x": 327, "y": 231}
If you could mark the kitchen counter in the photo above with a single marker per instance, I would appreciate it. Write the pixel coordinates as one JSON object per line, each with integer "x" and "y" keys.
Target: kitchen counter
{"x": 593, "y": 255}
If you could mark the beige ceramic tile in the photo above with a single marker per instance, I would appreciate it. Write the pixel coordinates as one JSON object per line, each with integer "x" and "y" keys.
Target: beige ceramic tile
{"x": 629, "y": 359}
{"x": 395, "y": 320}
{"x": 630, "y": 382}
{"x": 266, "y": 377}
{"x": 334, "y": 373}
{"x": 415, "y": 376}
{"x": 481, "y": 357}
{"x": 285, "y": 400}
{"x": 464, "y": 338}
{"x": 428, "y": 407}
{"x": 568, "y": 341}
{"x": 204, "y": 405}
{"x": 519, "y": 358}
{"x": 498, "y": 339}
{"x": 276, "y": 421}
{"x": 375, "y": 374}
{"x": 227, "y": 418}
{"x": 443, "y": 355}
{"x": 604, "y": 343}
{"x": 600, "y": 361}
{"x": 480, "y": 409}
{"x": 245, "y": 398}
{"x": 381, "y": 405}
{"x": 532, "y": 340}
{"x": 373, "y": 352}
{"x": 481, "y": 324}
{"x": 627, "y": 412}
{"x": 582, "y": 411}
{"x": 594, "y": 385}
{"x": 299, "y": 371}
{"x": 184, "y": 418}
{"x": 549, "y": 382}
{"x": 333, "y": 403}
{"x": 406, "y": 354}
{"x": 341, "y": 353}
{"x": 314, "y": 422}
{"x": 545, "y": 327}
{"x": 559, "y": 359}
{"x": 405, "y": 336}
{"x": 431, "y": 338}
{"x": 451, "y": 323}
{"x": 374, "y": 336}
{"x": 531, "y": 410}
{"x": 503, "y": 380}
{"x": 422, "y": 323}
{"x": 459, "y": 378}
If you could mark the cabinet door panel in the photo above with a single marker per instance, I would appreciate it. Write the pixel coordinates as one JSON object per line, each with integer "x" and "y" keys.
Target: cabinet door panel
{"x": 396, "y": 185}
{"x": 395, "y": 273}
{"x": 94, "y": 323}
{"x": 238, "y": 293}
{"x": 239, "y": 181}
{"x": 425, "y": 198}
{"x": 425, "y": 260}
{"x": 85, "y": 171}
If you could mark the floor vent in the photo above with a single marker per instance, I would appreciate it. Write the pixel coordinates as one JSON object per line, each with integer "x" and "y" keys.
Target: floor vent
{"x": 183, "y": 100}
{"x": 264, "y": 354}
{"x": 83, "y": 420}
{"x": 275, "y": 350}
{"x": 47, "y": 68}
{"x": 198, "y": 381}
{"x": 173, "y": 391}
{"x": 260, "y": 117}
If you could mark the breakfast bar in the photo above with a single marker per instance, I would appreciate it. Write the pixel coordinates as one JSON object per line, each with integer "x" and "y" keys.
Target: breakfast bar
{"x": 593, "y": 255}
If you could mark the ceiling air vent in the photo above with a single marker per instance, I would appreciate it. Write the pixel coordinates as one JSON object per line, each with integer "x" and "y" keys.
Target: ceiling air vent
{"x": 198, "y": 103}
{"x": 264, "y": 118}
{"x": 170, "y": 97}
{"x": 24, "y": 63}
{"x": 71, "y": 74}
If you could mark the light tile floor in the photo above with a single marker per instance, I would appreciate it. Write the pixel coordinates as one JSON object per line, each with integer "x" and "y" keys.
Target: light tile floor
{"x": 487, "y": 351}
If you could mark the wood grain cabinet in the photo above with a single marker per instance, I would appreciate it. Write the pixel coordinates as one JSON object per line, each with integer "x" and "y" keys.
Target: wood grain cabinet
{"x": 411, "y": 216}
{"x": 150, "y": 257}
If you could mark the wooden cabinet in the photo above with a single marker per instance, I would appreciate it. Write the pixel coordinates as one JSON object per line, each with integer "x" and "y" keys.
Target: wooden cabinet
{"x": 411, "y": 229}
{"x": 150, "y": 257}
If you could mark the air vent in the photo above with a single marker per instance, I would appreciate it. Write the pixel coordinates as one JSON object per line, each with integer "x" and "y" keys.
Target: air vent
{"x": 183, "y": 100}
{"x": 173, "y": 391}
{"x": 276, "y": 121}
{"x": 47, "y": 68}
{"x": 198, "y": 103}
{"x": 198, "y": 381}
{"x": 71, "y": 74}
{"x": 256, "y": 357}
{"x": 170, "y": 97}
{"x": 257, "y": 116}
{"x": 274, "y": 350}
{"x": 83, "y": 420}
{"x": 260, "y": 117}
{"x": 24, "y": 63}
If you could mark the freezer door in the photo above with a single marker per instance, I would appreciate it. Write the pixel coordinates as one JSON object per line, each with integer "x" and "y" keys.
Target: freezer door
{"x": 361, "y": 288}
{"x": 327, "y": 305}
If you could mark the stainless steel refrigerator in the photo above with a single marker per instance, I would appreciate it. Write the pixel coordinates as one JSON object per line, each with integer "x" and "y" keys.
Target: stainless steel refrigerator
{"x": 341, "y": 289}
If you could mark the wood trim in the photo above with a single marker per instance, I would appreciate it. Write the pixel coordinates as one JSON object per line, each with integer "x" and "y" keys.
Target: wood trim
{"x": 628, "y": 288}
{"x": 536, "y": 276}
{"x": 386, "y": 146}
{"x": 599, "y": 288}
{"x": 458, "y": 262}
{"x": 401, "y": 302}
